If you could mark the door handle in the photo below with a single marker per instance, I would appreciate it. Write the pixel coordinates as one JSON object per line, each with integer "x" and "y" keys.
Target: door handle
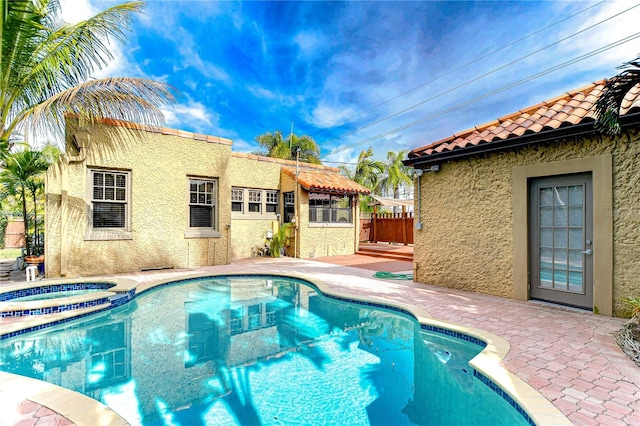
{"x": 587, "y": 251}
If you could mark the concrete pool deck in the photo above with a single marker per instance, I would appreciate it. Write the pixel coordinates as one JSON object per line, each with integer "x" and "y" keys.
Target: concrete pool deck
{"x": 568, "y": 356}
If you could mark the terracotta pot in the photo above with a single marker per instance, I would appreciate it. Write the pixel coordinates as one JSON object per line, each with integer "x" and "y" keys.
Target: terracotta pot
{"x": 34, "y": 259}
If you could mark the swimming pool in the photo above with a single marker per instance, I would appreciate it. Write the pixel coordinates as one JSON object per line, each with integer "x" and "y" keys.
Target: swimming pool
{"x": 261, "y": 350}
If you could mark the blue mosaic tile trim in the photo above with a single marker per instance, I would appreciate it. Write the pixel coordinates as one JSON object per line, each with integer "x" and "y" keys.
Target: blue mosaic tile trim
{"x": 371, "y": 305}
{"x": 51, "y": 324}
{"x": 456, "y": 334}
{"x": 55, "y": 309}
{"x": 228, "y": 276}
{"x": 497, "y": 389}
{"x": 53, "y": 288}
{"x": 122, "y": 298}
{"x": 427, "y": 327}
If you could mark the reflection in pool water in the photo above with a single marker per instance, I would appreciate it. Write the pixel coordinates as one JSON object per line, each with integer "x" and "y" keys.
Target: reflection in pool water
{"x": 260, "y": 350}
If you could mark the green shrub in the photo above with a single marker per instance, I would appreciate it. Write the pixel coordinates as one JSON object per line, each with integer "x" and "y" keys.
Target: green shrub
{"x": 634, "y": 305}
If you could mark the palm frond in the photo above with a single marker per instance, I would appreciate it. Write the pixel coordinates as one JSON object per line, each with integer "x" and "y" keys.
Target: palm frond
{"x": 46, "y": 64}
{"x": 128, "y": 99}
{"x": 607, "y": 107}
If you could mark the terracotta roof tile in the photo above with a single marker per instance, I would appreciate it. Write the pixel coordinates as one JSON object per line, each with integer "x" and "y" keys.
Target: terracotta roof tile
{"x": 316, "y": 179}
{"x": 519, "y": 131}
{"x": 568, "y": 109}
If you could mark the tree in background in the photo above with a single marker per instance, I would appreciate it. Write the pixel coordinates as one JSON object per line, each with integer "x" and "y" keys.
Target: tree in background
{"x": 368, "y": 173}
{"x": 46, "y": 69}
{"x": 22, "y": 177}
{"x": 4, "y": 221}
{"x": 397, "y": 174}
{"x": 607, "y": 107}
{"x": 274, "y": 145}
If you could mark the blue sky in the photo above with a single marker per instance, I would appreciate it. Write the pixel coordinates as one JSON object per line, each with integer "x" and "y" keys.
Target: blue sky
{"x": 391, "y": 75}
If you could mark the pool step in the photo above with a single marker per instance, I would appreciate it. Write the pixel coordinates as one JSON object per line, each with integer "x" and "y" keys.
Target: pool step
{"x": 16, "y": 308}
{"x": 13, "y": 326}
{"x": 386, "y": 253}
{"x": 6, "y": 266}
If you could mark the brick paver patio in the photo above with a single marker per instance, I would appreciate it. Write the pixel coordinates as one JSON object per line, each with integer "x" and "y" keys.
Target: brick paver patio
{"x": 569, "y": 356}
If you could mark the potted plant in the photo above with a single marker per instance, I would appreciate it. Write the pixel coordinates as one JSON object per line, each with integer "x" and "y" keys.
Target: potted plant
{"x": 279, "y": 240}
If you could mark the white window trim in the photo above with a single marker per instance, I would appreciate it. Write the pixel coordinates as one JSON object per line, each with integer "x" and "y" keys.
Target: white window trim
{"x": 241, "y": 201}
{"x": 264, "y": 215}
{"x": 105, "y": 234}
{"x": 212, "y": 232}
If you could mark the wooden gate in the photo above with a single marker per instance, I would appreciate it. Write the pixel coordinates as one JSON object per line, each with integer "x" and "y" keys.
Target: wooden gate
{"x": 387, "y": 227}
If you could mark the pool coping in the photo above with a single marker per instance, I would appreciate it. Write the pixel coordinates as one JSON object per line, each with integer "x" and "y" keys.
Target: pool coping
{"x": 79, "y": 408}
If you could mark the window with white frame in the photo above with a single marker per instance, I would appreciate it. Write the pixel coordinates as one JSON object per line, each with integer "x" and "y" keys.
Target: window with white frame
{"x": 329, "y": 208}
{"x": 289, "y": 206}
{"x": 109, "y": 212}
{"x": 251, "y": 202}
{"x": 272, "y": 202}
{"x": 109, "y": 199}
{"x": 202, "y": 203}
{"x": 255, "y": 201}
{"x": 237, "y": 200}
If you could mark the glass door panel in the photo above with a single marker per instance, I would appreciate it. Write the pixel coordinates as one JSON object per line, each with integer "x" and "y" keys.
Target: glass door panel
{"x": 560, "y": 238}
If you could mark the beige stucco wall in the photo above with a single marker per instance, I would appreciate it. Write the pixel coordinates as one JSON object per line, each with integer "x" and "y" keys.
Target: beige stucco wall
{"x": 467, "y": 216}
{"x": 159, "y": 162}
{"x": 159, "y": 165}
{"x": 251, "y": 171}
{"x": 314, "y": 240}
{"x": 324, "y": 239}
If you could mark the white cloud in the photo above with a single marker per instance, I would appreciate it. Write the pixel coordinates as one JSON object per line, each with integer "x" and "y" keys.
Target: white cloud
{"x": 195, "y": 114}
{"x": 328, "y": 115}
{"x": 615, "y": 28}
{"x": 309, "y": 42}
{"x": 164, "y": 20}
{"x": 74, "y": 11}
{"x": 241, "y": 145}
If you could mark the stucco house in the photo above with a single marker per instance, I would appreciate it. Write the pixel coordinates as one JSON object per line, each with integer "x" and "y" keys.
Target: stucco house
{"x": 127, "y": 197}
{"x": 535, "y": 205}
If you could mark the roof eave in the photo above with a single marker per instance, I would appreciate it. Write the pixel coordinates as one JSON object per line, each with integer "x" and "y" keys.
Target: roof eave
{"x": 334, "y": 190}
{"x": 578, "y": 130}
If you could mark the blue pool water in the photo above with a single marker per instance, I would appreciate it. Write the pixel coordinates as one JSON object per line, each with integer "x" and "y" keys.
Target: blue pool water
{"x": 261, "y": 351}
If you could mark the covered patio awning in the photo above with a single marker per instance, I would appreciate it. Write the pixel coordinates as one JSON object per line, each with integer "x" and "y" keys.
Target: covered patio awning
{"x": 325, "y": 180}
{"x": 391, "y": 202}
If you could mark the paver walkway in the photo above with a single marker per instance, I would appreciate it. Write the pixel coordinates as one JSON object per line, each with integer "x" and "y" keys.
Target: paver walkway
{"x": 569, "y": 356}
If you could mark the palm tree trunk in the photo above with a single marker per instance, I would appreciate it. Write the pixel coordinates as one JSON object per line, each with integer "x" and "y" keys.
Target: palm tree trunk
{"x": 25, "y": 218}
{"x": 35, "y": 219}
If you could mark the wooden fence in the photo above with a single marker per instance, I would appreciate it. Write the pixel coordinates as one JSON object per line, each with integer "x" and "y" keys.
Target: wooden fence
{"x": 14, "y": 235}
{"x": 387, "y": 227}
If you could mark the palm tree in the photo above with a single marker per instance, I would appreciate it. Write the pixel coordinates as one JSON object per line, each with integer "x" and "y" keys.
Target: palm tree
{"x": 46, "y": 67}
{"x": 368, "y": 173}
{"x": 305, "y": 147}
{"x": 274, "y": 145}
{"x": 607, "y": 107}
{"x": 22, "y": 176}
{"x": 397, "y": 174}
